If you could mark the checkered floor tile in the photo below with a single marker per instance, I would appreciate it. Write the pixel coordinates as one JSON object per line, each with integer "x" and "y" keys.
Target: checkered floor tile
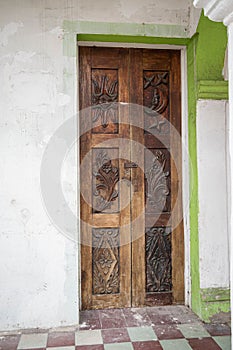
{"x": 158, "y": 328}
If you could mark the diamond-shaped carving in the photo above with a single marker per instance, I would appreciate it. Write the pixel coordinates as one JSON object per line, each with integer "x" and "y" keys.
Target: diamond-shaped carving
{"x": 105, "y": 261}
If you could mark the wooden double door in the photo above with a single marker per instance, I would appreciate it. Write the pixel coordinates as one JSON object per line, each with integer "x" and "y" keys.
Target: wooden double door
{"x": 132, "y": 251}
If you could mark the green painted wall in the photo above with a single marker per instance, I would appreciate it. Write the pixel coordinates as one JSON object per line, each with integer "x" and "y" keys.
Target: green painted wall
{"x": 211, "y": 46}
{"x": 206, "y": 53}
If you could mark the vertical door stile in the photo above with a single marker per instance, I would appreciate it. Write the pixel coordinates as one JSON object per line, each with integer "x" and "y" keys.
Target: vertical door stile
{"x": 86, "y": 176}
{"x": 125, "y": 190}
{"x": 137, "y": 176}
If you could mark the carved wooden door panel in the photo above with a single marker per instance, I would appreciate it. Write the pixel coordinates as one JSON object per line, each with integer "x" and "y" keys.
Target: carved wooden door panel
{"x": 131, "y": 250}
{"x": 158, "y": 254}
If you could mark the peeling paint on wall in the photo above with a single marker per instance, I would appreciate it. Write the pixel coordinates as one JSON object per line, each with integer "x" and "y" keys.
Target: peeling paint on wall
{"x": 9, "y": 30}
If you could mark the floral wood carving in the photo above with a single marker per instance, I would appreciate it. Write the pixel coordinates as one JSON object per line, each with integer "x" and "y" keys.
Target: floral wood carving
{"x": 104, "y": 98}
{"x": 105, "y": 261}
{"x": 105, "y": 184}
{"x": 157, "y": 186}
{"x": 158, "y": 260}
{"x": 158, "y": 83}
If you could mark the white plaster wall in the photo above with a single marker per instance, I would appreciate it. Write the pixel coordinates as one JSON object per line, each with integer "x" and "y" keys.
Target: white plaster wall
{"x": 213, "y": 191}
{"x": 176, "y": 12}
{"x": 39, "y": 265}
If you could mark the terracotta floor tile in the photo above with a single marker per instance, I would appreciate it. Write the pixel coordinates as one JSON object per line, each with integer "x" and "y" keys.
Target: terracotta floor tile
{"x": 111, "y": 313}
{"x": 90, "y": 324}
{"x": 88, "y": 314}
{"x": 162, "y": 319}
{"x": 218, "y": 329}
{"x": 113, "y": 323}
{"x": 112, "y": 318}
{"x": 61, "y": 339}
{"x": 203, "y": 344}
{"x": 167, "y": 332}
{"x": 9, "y": 342}
{"x": 89, "y": 319}
{"x": 116, "y": 335}
{"x": 136, "y": 317}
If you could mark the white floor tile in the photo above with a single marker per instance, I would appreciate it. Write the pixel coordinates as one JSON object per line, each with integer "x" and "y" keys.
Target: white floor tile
{"x": 35, "y": 341}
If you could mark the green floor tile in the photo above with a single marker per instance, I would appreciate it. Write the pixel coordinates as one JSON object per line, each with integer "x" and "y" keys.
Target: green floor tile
{"x": 141, "y": 333}
{"x": 118, "y": 346}
{"x": 175, "y": 344}
{"x": 193, "y": 331}
{"x": 88, "y": 337}
{"x": 224, "y": 341}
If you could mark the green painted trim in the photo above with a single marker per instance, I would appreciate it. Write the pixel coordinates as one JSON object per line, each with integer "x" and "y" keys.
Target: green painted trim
{"x": 194, "y": 205}
{"x": 135, "y": 29}
{"x": 210, "y": 310}
{"x": 215, "y": 294}
{"x": 211, "y": 48}
{"x": 133, "y": 39}
{"x": 213, "y": 90}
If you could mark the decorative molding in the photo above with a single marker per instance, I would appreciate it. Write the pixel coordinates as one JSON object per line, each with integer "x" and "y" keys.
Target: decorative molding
{"x": 212, "y": 90}
{"x": 217, "y": 10}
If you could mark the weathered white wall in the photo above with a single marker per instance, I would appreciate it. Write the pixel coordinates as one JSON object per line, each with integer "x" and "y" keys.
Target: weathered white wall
{"x": 39, "y": 265}
{"x": 175, "y": 12}
{"x": 213, "y": 191}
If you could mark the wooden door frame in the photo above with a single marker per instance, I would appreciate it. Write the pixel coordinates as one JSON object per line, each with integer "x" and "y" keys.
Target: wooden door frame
{"x": 185, "y": 158}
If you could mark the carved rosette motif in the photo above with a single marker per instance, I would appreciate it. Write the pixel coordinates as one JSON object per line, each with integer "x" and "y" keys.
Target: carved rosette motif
{"x": 158, "y": 260}
{"x": 106, "y": 177}
{"x": 157, "y": 182}
{"x": 105, "y": 261}
{"x": 156, "y": 98}
{"x": 104, "y": 98}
